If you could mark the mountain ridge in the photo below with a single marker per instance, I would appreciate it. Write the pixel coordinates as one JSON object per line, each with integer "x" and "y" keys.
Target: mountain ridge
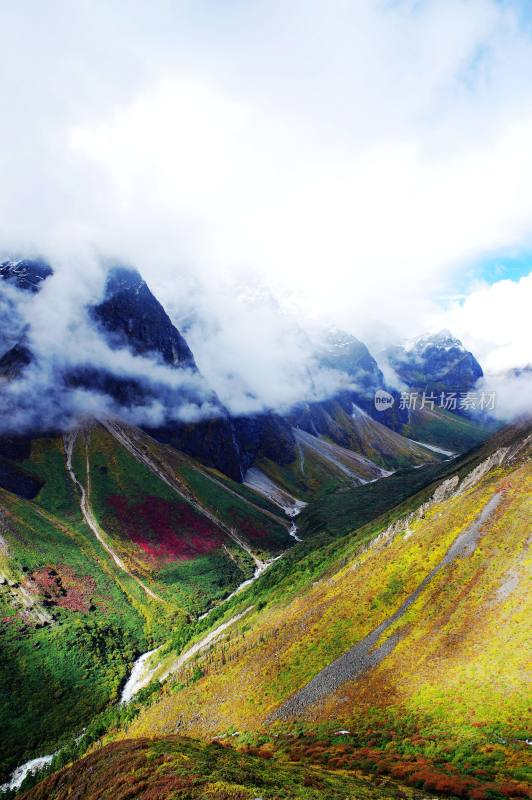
{"x": 129, "y": 316}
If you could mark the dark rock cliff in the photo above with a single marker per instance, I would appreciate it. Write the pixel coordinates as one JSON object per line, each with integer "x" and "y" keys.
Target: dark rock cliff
{"x": 436, "y": 363}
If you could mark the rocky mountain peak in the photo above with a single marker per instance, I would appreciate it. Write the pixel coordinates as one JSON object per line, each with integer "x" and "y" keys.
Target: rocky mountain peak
{"x": 443, "y": 340}
{"x": 435, "y": 362}
{"x": 133, "y": 317}
{"x": 26, "y": 274}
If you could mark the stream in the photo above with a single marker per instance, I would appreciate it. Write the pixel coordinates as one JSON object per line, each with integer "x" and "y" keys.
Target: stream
{"x": 29, "y": 768}
{"x": 142, "y": 672}
{"x": 140, "y": 676}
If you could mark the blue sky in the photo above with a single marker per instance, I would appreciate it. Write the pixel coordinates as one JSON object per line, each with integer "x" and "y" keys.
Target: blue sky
{"x": 503, "y": 266}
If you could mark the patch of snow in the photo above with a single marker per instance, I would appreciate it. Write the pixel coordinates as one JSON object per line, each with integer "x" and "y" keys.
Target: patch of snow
{"x": 434, "y": 448}
{"x": 260, "y": 482}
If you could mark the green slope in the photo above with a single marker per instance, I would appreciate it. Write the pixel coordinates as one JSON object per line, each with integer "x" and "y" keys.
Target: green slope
{"x": 410, "y": 717}
{"x": 69, "y": 630}
{"x": 446, "y": 708}
{"x": 444, "y": 429}
{"x": 73, "y": 620}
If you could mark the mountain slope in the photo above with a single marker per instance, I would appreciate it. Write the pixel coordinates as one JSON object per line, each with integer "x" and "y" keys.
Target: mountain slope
{"x": 181, "y": 410}
{"x": 136, "y": 319}
{"x": 342, "y": 352}
{"x": 182, "y": 768}
{"x": 445, "y": 429}
{"x": 26, "y": 274}
{"x": 322, "y": 466}
{"x": 438, "y": 701}
{"x": 69, "y": 628}
{"x": 154, "y": 540}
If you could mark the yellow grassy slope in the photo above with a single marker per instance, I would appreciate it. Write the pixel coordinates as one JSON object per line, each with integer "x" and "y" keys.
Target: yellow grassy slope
{"x": 463, "y": 652}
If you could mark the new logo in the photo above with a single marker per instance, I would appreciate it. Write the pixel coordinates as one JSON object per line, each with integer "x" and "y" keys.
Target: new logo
{"x": 383, "y": 400}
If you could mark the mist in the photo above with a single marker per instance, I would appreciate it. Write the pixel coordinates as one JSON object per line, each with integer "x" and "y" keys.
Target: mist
{"x": 55, "y": 326}
{"x": 73, "y": 360}
{"x": 264, "y": 185}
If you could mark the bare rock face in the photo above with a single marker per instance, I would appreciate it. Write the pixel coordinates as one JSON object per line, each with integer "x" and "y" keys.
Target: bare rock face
{"x": 26, "y": 274}
{"x": 130, "y": 318}
{"x": 436, "y": 363}
{"x": 268, "y": 435}
{"x": 345, "y": 353}
{"x": 14, "y": 361}
{"x": 133, "y": 317}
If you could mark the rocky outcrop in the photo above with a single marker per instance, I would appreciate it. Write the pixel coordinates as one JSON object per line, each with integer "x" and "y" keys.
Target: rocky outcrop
{"x": 26, "y": 274}
{"x": 132, "y": 317}
{"x": 15, "y": 361}
{"x": 436, "y": 363}
{"x": 519, "y": 449}
{"x": 265, "y": 435}
{"x": 342, "y": 352}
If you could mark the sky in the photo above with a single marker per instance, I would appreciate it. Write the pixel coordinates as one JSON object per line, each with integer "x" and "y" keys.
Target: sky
{"x": 366, "y": 164}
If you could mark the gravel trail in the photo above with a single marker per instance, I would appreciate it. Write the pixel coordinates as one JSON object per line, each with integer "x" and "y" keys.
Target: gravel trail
{"x": 365, "y": 655}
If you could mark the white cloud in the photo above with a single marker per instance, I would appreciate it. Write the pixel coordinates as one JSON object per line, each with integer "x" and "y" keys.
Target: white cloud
{"x": 494, "y": 323}
{"x": 354, "y": 156}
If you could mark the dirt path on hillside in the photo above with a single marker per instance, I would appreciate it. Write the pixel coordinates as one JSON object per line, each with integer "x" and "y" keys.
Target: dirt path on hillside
{"x": 363, "y": 657}
{"x": 69, "y": 440}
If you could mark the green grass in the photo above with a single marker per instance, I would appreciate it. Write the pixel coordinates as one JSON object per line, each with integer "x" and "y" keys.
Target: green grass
{"x": 47, "y": 462}
{"x": 56, "y": 679}
{"x": 316, "y": 479}
{"x": 445, "y": 429}
{"x": 341, "y": 511}
{"x": 53, "y": 679}
{"x": 446, "y": 707}
{"x": 88, "y": 655}
{"x": 205, "y": 579}
{"x": 233, "y": 510}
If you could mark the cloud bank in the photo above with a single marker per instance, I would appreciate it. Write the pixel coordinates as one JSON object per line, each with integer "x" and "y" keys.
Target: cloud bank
{"x": 73, "y": 364}
{"x": 355, "y": 158}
